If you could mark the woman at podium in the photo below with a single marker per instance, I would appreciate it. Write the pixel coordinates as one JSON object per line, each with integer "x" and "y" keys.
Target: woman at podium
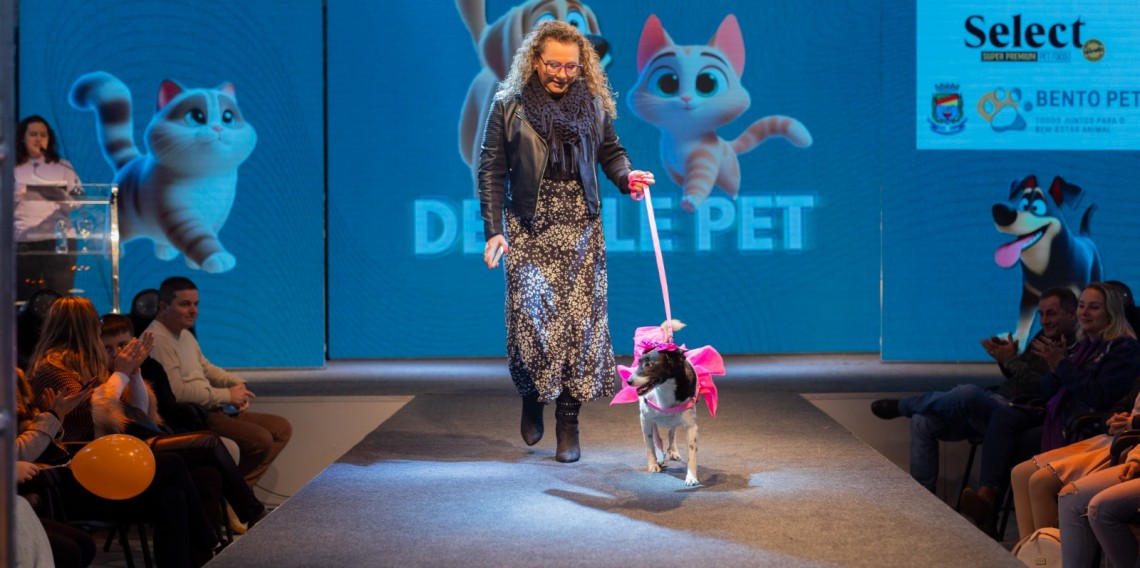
{"x": 45, "y": 257}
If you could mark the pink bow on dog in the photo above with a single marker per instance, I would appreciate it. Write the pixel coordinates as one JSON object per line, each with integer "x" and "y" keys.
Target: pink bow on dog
{"x": 705, "y": 360}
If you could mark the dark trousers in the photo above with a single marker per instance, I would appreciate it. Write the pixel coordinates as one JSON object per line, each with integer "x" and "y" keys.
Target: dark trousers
{"x": 952, "y": 415}
{"x": 69, "y": 545}
{"x": 215, "y": 474}
{"x": 1012, "y": 436}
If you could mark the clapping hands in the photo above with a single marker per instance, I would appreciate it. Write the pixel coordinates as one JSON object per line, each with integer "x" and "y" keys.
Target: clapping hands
{"x": 1002, "y": 350}
{"x": 1052, "y": 351}
{"x": 131, "y": 356}
{"x": 61, "y": 405}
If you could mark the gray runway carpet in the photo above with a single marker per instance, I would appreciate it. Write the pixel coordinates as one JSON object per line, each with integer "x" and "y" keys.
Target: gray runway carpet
{"x": 448, "y": 482}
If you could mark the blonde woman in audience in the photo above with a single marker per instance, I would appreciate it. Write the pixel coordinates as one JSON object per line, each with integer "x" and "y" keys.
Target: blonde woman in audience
{"x": 1107, "y": 360}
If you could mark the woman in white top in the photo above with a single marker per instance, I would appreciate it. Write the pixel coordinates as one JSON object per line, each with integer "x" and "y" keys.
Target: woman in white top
{"x": 42, "y": 213}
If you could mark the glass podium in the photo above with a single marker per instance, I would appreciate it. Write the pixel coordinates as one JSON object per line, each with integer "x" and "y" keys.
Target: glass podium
{"x": 87, "y": 233}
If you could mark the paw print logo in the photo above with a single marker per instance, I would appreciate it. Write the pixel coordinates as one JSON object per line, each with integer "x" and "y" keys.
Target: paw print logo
{"x": 1002, "y": 110}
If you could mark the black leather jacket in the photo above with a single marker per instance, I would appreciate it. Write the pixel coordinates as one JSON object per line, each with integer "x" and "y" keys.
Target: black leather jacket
{"x": 514, "y": 157}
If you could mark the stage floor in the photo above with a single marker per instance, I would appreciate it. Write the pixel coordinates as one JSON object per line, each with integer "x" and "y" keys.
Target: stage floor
{"x": 446, "y": 481}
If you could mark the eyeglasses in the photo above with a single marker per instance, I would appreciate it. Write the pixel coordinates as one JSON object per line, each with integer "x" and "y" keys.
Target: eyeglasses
{"x": 571, "y": 69}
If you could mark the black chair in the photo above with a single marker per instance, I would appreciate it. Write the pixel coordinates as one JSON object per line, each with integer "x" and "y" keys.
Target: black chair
{"x": 43, "y": 492}
{"x": 975, "y": 442}
{"x": 144, "y": 307}
{"x": 29, "y": 318}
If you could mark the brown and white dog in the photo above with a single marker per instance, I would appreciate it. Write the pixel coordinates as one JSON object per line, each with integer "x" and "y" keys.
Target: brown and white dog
{"x": 667, "y": 395}
{"x": 496, "y": 45}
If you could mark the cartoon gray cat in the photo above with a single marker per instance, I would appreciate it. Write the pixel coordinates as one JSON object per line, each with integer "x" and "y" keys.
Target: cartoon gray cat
{"x": 180, "y": 192}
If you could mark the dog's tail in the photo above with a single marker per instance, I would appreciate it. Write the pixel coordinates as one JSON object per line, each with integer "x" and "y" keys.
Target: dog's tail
{"x": 1086, "y": 219}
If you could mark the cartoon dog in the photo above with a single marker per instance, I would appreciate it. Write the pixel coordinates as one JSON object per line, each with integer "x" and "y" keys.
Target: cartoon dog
{"x": 496, "y": 45}
{"x": 667, "y": 381}
{"x": 1049, "y": 252}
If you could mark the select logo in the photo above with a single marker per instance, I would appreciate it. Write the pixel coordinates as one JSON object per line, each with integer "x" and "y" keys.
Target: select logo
{"x": 1021, "y": 39}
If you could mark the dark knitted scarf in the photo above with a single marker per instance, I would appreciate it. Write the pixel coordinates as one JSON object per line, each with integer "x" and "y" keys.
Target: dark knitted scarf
{"x": 566, "y": 122}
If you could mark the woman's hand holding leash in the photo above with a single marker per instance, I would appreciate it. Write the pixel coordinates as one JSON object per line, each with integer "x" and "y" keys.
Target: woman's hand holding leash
{"x": 639, "y": 181}
{"x": 496, "y": 248}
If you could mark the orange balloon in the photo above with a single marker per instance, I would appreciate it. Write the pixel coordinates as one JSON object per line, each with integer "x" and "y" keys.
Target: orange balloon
{"x": 116, "y": 466}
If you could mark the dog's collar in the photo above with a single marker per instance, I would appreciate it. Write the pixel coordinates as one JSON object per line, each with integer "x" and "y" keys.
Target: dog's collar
{"x": 673, "y": 409}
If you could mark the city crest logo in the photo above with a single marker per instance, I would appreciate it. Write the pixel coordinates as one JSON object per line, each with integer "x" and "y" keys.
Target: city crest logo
{"x": 946, "y": 116}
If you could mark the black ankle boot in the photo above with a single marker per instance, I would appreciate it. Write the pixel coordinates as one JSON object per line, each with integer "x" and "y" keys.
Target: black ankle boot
{"x": 567, "y": 429}
{"x": 531, "y": 426}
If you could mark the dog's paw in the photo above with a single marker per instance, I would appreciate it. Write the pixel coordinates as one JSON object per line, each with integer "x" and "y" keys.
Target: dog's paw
{"x": 674, "y": 455}
{"x": 654, "y": 467}
{"x": 691, "y": 480}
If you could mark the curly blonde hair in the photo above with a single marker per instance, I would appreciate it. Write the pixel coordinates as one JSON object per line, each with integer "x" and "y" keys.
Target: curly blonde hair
{"x": 522, "y": 66}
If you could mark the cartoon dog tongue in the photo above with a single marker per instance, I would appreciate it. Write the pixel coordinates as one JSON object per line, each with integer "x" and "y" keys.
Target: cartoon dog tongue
{"x": 1007, "y": 255}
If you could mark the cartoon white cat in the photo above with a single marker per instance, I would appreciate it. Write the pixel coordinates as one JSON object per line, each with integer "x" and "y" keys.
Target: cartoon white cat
{"x": 180, "y": 192}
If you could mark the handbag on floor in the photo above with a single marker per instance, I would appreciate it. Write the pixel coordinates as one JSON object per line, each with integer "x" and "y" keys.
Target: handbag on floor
{"x": 1040, "y": 548}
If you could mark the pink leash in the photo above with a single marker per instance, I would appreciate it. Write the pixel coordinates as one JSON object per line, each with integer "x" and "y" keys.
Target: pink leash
{"x": 660, "y": 266}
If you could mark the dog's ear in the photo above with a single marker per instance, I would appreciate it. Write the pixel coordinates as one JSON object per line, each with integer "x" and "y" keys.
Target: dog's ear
{"x": 1065, "y": 193}
{"x": 501, "y": 39}
{"x": 676, "y": 359}
{"x": 1015, "y": 186}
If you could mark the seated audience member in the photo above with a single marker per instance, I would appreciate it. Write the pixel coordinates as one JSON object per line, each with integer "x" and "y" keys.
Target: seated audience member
{"x": 1036, "y": 481}
{"x": 204, "y": 453}
{"x": 31, "y": 547}
{"x": 1130, "y": 312}
{"x": 965, "y": 410}
{"x": 261, "y": 437}
{"x": 1094, "y": 377}
{"x": 66, "y": 546}
{"x": 179, "y": 417}
{"x": 69, "y": 545}
{"x": 69, "y": 363}
{"x": 1100, "y": 509}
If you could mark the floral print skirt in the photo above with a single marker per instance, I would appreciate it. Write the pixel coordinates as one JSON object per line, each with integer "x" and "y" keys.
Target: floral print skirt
{"x": 558, "y": 335}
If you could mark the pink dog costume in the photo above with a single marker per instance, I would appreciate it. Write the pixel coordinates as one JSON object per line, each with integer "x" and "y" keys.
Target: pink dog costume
{"x": 705, "y": 361}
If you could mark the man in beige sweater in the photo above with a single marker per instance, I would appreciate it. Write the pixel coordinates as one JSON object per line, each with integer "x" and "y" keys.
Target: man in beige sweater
{"x": 195, "y": 380}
